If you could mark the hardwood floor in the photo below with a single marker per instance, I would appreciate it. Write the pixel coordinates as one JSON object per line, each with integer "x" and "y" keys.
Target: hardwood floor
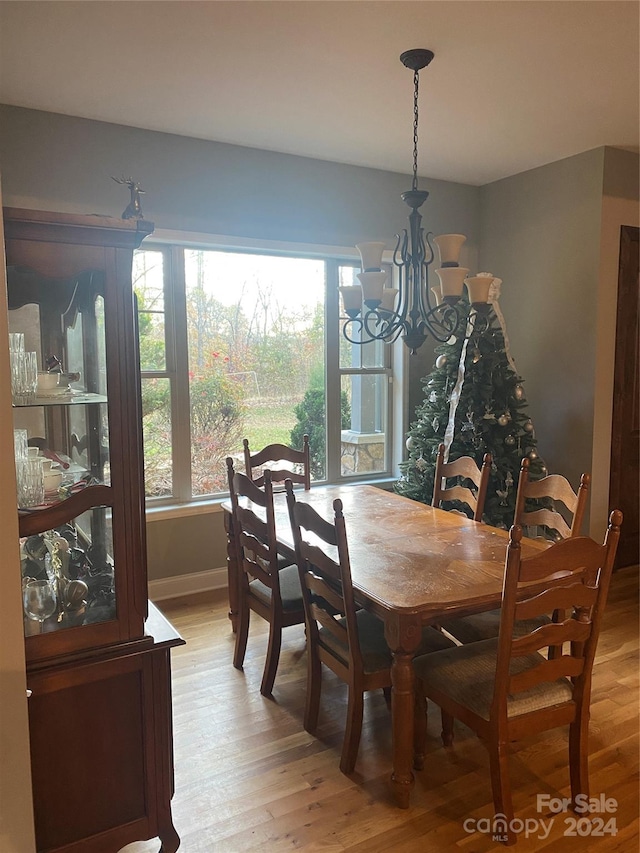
{"x": 249, "y": 778}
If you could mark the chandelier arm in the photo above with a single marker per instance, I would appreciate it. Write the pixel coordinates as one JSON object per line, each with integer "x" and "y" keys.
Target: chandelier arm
{"x": 481, "y": 319}
{"x": 388, "y": 333}
{"x": 442, "y": 321}
{"x": 428, "y": 237}
{"x": 358, "y": 323}
{"x": 393, "y": 333}
{"x": 403, "y": 295}
{"x": 389, "y": 325}
{"x": 396, "y": 335}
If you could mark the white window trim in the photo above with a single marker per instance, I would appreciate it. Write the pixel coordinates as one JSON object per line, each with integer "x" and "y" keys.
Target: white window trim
{"x": 171, "y": 507}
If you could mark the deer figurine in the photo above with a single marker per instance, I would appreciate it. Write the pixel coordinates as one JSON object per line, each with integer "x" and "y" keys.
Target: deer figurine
{"x": 133, "y": 210}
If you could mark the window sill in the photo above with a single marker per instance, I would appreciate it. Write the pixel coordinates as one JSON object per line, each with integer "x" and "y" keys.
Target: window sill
{"x": 165, "y": 512}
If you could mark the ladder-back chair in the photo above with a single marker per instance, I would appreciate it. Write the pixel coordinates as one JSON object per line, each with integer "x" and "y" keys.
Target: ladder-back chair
{"x": 554, "y": 489}
{"x": 350, "y": 642}
{"x": 463, "y": 468}
{"x": 298, "y": 469}
{"x": 504, "y": 688}
{"x": 271, "y": 591}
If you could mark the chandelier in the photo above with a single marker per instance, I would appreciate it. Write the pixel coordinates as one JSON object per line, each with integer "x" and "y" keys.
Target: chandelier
{"x": 376, "y": 311}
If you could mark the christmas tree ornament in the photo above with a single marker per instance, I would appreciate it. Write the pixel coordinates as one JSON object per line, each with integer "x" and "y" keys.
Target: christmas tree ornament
{"x": 433, "y": 397}
{"x": 409, "y": 443}
{"x": 441, "y": 360}
{"x": 528, "y": 427}
{"x": 503, "y": 494}
{"x": 503, "y": 420}
{"x": 421, "y": 463}
{"x": 435, "y": 423}
{"x": 532, "y": 454}
{"x": 510, "y": 441}
{"x": 518, "y": 392}
{"x": 476, "y": 356}
{"x": 469, "y": 425}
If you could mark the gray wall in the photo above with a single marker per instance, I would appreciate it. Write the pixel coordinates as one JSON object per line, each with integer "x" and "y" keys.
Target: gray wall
{"x": 552, "y": 235}
{"x": 54, "y": 162}
{"x": 65, "y": 163}
{"x": 540, "y": 233}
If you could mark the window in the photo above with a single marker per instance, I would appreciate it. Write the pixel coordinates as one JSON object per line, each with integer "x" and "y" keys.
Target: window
{"x": 249, "y": 344}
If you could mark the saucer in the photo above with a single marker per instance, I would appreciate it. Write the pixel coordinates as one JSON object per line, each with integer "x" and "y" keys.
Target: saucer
{"x": 55, "y": 392}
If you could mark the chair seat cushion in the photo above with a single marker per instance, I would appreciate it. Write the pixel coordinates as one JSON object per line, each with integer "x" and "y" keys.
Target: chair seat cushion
{"x": 486, "y": 626}
{"x": 283, "y": 562}
{"x": 290, "y": 591}
{"x": 375, "y": 651}
{"x": 467, "y": 674}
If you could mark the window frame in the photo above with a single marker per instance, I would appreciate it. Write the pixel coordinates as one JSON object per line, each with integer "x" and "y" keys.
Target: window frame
{"x": 172, "y": 246}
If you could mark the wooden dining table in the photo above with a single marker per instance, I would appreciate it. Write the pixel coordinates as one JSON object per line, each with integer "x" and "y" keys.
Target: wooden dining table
{"x": 412, "y": 565}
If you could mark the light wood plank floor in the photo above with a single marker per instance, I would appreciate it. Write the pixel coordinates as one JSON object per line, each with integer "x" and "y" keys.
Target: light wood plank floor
{"x": 249, "y": 778}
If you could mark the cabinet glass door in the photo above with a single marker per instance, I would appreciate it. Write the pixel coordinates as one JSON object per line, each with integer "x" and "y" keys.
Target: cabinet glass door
{"x": 61, "y": 434}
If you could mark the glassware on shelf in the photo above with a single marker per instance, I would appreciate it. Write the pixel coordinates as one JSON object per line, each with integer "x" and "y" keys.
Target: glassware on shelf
{"x": 16, "y": 359}
{"x": 30, "y": 375}
{"x": 20, "y": 437}
{"x": 24, "y": 375}
{"x": 16, "y": 342}
{"x": 30, "y": 477}
{"x": 39, "y": 600}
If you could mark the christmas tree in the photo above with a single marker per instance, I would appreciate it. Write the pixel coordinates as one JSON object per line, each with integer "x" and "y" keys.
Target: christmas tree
{"x": 475, "y": 404}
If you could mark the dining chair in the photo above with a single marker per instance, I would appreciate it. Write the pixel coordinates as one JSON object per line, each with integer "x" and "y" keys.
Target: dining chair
{"x": 271, "y": 591}
{"x": 504, "y": 688}
{"x": 348, "y": 640}
{"x": 553, "y": 489}
{"x": 463, "y": 468}
{"x": 299, "y": 470}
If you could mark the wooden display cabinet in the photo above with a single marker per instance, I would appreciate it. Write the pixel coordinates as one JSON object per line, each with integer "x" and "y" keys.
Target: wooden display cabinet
{"x": 98, "y": 653}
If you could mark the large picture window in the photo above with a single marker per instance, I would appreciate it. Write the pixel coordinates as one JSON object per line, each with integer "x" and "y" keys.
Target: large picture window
{"x": 240, "y": 345}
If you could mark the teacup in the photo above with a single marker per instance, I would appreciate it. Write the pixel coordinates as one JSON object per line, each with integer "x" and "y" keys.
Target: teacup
{"x": 47, "y": 381}
{"x": 52, "y": 481}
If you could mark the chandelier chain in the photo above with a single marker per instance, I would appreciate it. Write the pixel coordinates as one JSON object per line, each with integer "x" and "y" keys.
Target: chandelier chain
{"x": 414, "y": 185}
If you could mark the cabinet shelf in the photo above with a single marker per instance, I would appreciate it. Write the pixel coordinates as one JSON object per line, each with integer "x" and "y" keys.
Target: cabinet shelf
{"x": 39, "y": 519}
{"x": 72, "y": 398}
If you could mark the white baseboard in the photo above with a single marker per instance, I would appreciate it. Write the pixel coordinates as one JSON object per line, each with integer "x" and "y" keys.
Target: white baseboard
{"x": 179, "y": 585}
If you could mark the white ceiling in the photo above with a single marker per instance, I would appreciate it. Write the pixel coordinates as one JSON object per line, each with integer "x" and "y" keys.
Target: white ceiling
{"x": 514, "y": 84}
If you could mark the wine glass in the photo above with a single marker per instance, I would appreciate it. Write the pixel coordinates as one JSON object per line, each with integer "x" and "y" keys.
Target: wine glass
{"x": 39, "y": 601}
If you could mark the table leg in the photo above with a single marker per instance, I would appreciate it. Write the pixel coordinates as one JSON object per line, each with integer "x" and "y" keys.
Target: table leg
{"x": 403, "y": 636}
{"x": 232, "y": 571}
{"x": 402, "y": 702}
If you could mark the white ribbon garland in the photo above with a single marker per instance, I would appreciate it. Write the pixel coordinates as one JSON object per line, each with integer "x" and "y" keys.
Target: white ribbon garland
{"x": 494, "y": 295}
{"x": 457, "y": 389}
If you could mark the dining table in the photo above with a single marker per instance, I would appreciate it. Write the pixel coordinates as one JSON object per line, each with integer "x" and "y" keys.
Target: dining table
{"x": 412, "y": 565}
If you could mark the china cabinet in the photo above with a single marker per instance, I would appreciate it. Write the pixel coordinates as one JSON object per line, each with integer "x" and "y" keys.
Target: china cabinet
{"x": 98, "y": 653}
